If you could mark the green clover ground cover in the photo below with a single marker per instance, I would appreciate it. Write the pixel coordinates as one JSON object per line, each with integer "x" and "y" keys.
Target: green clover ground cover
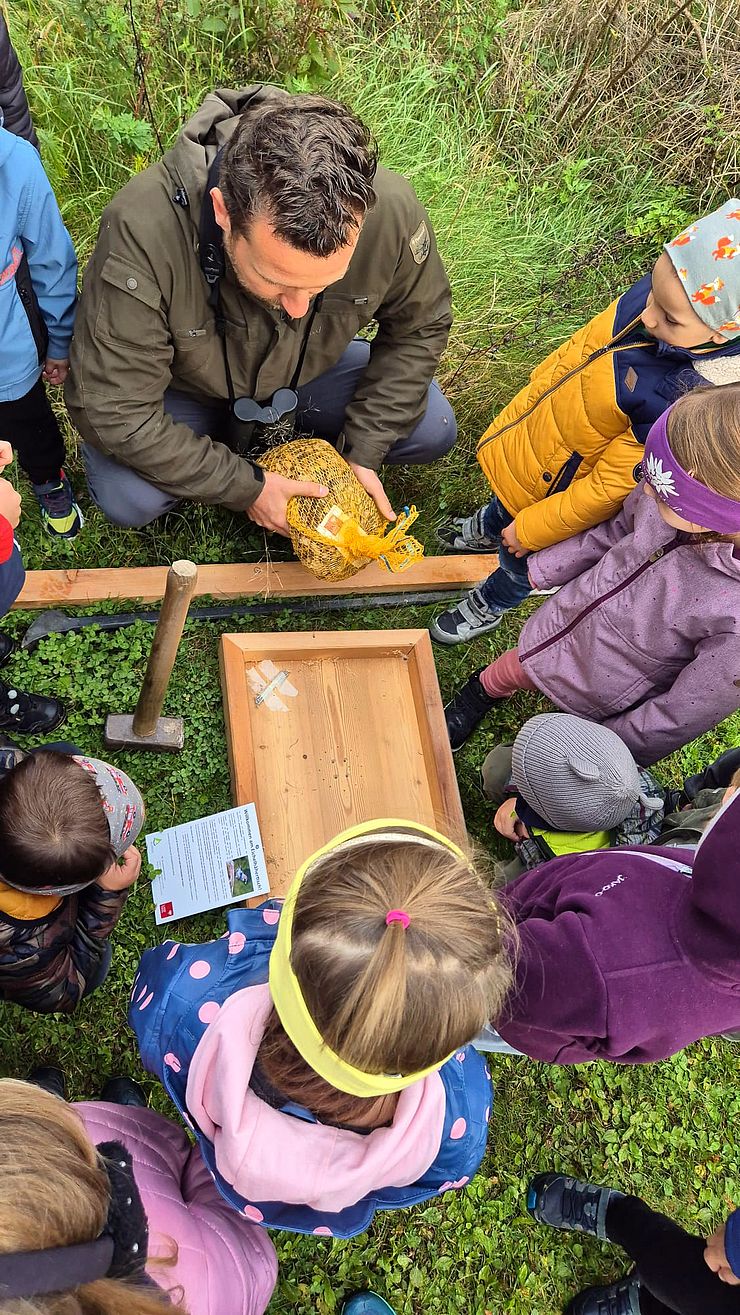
{"x": 543, "y": 214}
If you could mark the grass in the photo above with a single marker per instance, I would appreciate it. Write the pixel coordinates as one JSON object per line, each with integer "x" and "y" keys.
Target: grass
{"x": 551, "y": 173}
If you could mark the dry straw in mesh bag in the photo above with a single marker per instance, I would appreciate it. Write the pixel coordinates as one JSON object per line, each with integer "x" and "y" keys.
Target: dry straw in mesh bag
{"x": 335, "y": 536}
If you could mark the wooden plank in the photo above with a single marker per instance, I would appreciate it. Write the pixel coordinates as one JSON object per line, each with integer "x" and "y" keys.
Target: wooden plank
{"x": 247, "y": 579}
{"x": 356, "y": 732}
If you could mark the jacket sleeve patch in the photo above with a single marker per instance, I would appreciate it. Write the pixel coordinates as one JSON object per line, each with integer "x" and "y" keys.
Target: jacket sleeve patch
{"x": 420, "y": 243}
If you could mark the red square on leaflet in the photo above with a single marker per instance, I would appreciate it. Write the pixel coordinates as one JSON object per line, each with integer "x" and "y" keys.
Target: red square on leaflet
{"x": 166, "y": 910}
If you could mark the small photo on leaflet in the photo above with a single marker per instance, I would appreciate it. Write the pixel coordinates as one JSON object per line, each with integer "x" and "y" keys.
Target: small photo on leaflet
{"x": 240, "y": 876}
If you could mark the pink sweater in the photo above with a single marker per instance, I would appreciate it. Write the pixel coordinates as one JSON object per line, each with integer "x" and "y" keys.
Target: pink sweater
{"x": 225, "y": 1265}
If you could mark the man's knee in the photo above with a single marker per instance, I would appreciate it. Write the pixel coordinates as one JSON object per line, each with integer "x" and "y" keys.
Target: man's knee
{"x": 439, "y": 424}
{"x": 433, "y": 437}
{"x": 124, "y": 498}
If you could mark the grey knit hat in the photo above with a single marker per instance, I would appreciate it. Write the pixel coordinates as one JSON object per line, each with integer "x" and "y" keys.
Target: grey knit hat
{"x": 576, "y": 775}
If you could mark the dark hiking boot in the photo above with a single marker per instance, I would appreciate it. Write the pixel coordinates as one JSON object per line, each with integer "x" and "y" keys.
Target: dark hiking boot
{"x": 466, "y": 710}
{"x": 124, "y": 1091}
{"x": 49, "y": 1078}
{"x": 7, "y": 648}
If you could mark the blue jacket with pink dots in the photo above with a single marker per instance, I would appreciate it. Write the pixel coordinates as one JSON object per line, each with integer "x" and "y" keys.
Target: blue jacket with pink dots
{"x": 199, "y": 1014}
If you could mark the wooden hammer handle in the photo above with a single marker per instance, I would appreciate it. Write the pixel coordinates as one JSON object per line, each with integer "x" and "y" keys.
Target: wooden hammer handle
{"x": 182, "y": 578}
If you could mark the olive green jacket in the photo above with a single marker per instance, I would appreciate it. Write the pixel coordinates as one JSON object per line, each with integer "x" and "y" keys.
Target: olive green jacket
{"x": 144, "y": 323}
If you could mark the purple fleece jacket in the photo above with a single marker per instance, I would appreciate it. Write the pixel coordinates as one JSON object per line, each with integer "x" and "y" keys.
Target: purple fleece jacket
{"x": 624, "y": 955}
{"x": 645, "y": 635}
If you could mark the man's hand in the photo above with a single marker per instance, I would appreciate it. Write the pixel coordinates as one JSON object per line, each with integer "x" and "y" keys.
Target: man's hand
{"x": 270, "y": 509}
{"x": 6, "y": 454}
{"x": 716, "y": 1258}
{"x": 55, "y": 372}
{"x": 508, "y": 824}
{"x": 370, "y": 481}
{"x": 510, "y": 540}
{"x": 10, "y": 503}
{"x": 123, "y": 872}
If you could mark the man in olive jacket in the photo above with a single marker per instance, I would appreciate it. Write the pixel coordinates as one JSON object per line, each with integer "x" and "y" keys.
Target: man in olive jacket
{"x": 316, "y": 243}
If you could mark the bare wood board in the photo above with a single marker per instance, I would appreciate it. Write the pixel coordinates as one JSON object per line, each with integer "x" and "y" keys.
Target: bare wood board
{"x": 246, "y": 579}
{"x": 355, "y": 730}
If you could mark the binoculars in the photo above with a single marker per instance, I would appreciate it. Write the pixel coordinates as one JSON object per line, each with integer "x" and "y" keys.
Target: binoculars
{"x": 253, "y": 427}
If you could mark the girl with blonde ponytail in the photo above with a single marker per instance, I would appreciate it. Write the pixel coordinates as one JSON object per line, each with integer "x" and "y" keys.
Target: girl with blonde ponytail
{"x": 322, "y": 1049}
{"x": 107, "y": 1210}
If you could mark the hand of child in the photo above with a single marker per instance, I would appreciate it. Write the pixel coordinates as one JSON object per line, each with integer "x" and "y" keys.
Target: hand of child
{"x": 510, "y": 540}
{"x": 10, "y": 503}
{"x": 55, "y": 372}
{"x": 6, "y": 454}
{"x": 716, "y": 1258}
{"x": 508, "y": 824}
{"x": 123, "y": 872}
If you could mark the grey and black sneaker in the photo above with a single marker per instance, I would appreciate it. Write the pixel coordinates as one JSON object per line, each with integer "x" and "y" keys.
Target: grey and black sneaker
{"x": 567, "y": 1203}
{"x": 466, "y": 710}
{"x": 466, "y": 534}
{"x": 469, "y": 619}
{"x": 622, "y": 1298}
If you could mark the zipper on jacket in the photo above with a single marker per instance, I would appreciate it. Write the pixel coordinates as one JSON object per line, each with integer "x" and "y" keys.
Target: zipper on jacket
{"x": 614, "y": 345}
{"x": 611, "y": 593}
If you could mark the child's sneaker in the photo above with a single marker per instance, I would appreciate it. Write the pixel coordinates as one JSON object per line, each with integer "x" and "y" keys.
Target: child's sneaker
{"x": 466, "y": 710}
{"x": 366, "y": 1303}
{"x": 622, "y": 1298}
{"x": 60, "y": 514}
{"x": 471, "y": 618}
{"x": 466, "y": 534}
{"x": 29, "y": 713}
{"x": 567, "y": 1203}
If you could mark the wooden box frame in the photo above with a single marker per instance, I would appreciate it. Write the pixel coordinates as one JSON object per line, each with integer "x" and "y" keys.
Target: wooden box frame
{"x": 392, "y": 755}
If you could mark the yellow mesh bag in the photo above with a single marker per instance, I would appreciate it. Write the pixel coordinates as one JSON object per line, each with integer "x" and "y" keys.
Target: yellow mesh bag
{"x": 335, "y": 536}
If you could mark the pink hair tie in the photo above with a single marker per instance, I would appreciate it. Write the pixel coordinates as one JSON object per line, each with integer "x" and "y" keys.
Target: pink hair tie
{"x": 397, "y": 915}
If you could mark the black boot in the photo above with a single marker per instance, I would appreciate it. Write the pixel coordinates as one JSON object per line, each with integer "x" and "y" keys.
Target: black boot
{"x": 29, "y": 713}
{"x": 49, "y": 1078}
{"x": 7, "y": 648}
{"x": 466, "y": 710}
{"x": 622, "y": 1298}
{"x": 124, "y": 1091}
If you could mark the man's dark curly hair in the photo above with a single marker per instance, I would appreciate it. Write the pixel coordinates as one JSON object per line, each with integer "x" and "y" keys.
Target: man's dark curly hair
{"x": 304, "y": 163}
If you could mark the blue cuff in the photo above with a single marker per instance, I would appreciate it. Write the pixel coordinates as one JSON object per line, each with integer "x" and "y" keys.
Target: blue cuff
{"x": 732, "y": 1243}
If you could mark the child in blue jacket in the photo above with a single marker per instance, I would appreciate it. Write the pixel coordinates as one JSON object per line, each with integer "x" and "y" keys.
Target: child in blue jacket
{"x": 38, "y": 290}
{"x": 320, "y": 1051}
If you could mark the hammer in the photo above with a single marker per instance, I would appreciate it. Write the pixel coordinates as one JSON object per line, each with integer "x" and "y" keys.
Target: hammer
{"x": 147, "y": 729}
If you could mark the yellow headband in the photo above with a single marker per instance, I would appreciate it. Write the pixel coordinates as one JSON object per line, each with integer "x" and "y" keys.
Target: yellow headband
{"x": 285, "y": 988}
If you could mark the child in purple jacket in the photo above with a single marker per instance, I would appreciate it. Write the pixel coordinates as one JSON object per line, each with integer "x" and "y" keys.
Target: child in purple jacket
{"x": 628, "y": 954}
{"x": 644, "y": 635}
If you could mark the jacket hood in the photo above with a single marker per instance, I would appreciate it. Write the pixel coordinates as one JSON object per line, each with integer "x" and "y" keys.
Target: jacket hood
{"x": 205, "y": 133}
{"x": 707, "y": 922}
{"x": 268, "y": 1155}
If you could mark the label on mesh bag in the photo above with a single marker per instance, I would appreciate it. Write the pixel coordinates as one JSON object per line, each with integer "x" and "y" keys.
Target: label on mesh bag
{"x": 332, "y": 523}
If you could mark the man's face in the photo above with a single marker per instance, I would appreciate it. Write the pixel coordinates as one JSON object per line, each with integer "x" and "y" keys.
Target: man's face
{"x": 668, "y": 313}
{"x": 273, "y": 271}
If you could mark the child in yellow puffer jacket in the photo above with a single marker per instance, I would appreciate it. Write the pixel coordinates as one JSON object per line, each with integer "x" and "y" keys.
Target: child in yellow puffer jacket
{"x": 562, "y": 456}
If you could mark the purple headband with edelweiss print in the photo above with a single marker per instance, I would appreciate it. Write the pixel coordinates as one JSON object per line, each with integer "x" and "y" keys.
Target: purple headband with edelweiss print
{"x": 680, "y": 491}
